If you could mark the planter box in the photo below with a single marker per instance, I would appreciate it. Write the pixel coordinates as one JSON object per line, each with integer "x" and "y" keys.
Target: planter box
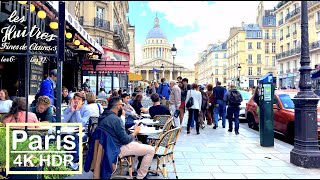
{"x": 26, "y": 175}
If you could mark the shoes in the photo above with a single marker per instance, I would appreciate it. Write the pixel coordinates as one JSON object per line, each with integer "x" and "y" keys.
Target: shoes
{"x": 230, "y": 130}
{"x": 188, "y": 132}
{"x": 215, "y": 127}
{"x": 202, "y": 126}
{"x": 224, "y": 126}
{"x": 237, "y": 132}
{"x": 198, "y": 133}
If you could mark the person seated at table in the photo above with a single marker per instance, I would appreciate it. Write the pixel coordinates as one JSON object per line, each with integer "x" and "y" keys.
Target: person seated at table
{"x": 137, "y": 105}
{"x": 134, "y": 94}
{"x": 95, "y": 109}
{"x": 157, "y": 108}
{"x": 17, "y": 114}
{"x": 110, "y": 122}
{"x": 102, "y": 94}
{"x": 127, "y": 107}
{"x": 5, "y": 102}
{"x": 77, "y": 112}
{"x": 65, "y": 96}
{"x": 43, "y": 110}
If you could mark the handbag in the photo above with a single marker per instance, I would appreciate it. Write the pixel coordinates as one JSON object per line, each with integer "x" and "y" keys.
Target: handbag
{"x": 176, "y": 113}
{"x": 190, "y": 101}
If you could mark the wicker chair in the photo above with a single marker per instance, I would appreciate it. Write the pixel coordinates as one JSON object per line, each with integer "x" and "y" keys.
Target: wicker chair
{"x": 162, "y": 120}
{"x": 164, "y": 150}
{"x": 156, "y": 137}
{"x": 103, "y": 102}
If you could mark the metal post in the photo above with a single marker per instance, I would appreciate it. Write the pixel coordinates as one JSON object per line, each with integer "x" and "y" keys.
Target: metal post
{"x": 306, "y": 150}
{"x": 27, "y": 65}
{"x": 97, "y": 82}
{"x": 112, "y": 81}
{"x": 173, "y": 69}
{"x": 61, "y": 57}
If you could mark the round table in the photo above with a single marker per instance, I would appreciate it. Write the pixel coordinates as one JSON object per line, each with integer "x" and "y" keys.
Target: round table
{"x": 147, "y": 121}
{"x": 148, "y": 130}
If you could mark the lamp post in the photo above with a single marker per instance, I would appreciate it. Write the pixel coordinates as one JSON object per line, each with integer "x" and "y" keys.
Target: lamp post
{"x": 162, "y": 68}
{"x": 173, "y": 53}
{"x": 239, "y": 70}
{"x": 306, "y": 151}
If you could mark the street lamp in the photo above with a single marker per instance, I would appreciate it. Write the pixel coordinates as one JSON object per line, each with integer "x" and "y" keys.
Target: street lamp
{"x": 162, "y": 68}
{"x": 239, "y": 69}
{"x": 304, "y": 130}
{"x": 174, "y": 53}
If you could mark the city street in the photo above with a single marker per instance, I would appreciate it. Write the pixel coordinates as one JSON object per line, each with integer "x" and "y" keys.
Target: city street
{"x": 220, "y": 154}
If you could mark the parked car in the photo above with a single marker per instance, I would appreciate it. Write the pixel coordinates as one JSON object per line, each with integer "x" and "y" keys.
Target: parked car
{"x": 283, "y": 109}
{"x": 246, "y": 97}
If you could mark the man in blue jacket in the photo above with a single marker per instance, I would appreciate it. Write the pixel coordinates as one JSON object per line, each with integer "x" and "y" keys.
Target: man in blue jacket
{"x": 48, "y": 86}
{"x": 164, "y": 91}
{"x": 112, "y": 123}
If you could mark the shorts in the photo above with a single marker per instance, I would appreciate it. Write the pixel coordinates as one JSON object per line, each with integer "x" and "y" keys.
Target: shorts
{"x": 182, "y": 105}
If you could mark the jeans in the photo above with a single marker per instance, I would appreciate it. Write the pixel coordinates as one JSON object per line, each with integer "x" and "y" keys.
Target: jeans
{"x": 220, "y": 110}
{"x": 195, "y": 114}
{"x": 233, "y": 112}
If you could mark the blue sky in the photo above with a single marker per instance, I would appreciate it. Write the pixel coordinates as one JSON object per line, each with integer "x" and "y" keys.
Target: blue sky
{"x": 191, "y": 25}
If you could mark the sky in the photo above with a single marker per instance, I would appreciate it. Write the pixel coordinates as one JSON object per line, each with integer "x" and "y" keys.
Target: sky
{"x": 191, "y": 25}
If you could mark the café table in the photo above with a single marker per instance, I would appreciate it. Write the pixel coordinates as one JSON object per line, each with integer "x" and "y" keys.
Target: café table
{"x": 146, "y": 121}
{"x": 145, "y": 115}
{"x": 147, "y": 130}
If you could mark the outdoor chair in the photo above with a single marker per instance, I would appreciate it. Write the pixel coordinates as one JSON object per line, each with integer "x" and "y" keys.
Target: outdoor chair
{"x": 156, "y": 137}
{"x": 162, "y": 120}
{"x": 125, "y": 161}
{"x": 164, "y": 150}
{"x": 103, "y": 102}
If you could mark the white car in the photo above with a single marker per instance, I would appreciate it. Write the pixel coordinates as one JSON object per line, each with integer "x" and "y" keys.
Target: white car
{"x": 246, "y": 96}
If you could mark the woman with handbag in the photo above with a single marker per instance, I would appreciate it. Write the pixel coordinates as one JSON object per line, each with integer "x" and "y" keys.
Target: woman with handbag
{"x": 211, "y": 105}
{"x": 204, "y": 106}
{"x": 194, "y": 102}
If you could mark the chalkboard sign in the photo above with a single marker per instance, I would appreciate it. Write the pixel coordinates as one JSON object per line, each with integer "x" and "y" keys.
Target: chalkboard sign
{"x": 35, "y": 77}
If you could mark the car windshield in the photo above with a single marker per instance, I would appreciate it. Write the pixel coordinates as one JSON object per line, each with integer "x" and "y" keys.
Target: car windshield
{"x": 286, "y": 101}
{"x": 245, "y": 95}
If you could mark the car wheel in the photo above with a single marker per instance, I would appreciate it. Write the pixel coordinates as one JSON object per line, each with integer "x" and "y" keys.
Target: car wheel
{"x": 290, "y": 132}
{"x": 251, "y": 122}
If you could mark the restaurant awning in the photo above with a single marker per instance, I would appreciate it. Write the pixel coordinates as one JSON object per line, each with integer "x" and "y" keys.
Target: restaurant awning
{"x": 134, "y": 77}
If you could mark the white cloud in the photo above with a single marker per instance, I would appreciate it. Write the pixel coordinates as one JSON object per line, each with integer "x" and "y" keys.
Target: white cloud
{"x": 141, "y": 5}
{"x": 144, "y": 13}
{"x": 213, "y": 21}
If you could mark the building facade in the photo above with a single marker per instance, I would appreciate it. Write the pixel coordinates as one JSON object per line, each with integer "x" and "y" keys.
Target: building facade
{"x": 132, "y": 47}
{"x": 289, "y": 40}
{"x": 157, "y": 60}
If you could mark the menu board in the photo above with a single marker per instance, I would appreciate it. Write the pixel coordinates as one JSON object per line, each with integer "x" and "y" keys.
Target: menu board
{"x": 36, "y": 76}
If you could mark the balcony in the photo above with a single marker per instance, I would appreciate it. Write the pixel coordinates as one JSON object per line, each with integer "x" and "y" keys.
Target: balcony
{"x": 119, "y": 37}
{"x": 311, "y": 3}
{"x": 280, "y": 22}
{"x": 266, "y": 37}
{"x": 288, "y": 71}
{"x": 81, "y": 20}
{"x": 102, "y": 24}
{"x": 288, "y": 35}
{"x": 315, "y": 45}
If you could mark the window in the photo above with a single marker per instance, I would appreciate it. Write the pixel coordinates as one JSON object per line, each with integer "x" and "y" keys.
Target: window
{"x": 224, "y": 72}
{"x": 267, "y": 48}
{"x": 216, "y": 71}
{"x": 273, "y": 48}
{"x": 318, "y": 17}
{"x": 216, "y": 56}
{"x": 259, "y": 34}
{"x": 249, "y": 34}
{"x": 281, "y": 48}
{"x": 318, "y": 36}
{"x": 224, "y": 63}
{"x": 266, "y": 63}
{"x": 294, "y": 44}
{"x": 281, "y": 68}
{"x": 100, "y": 40}
{"x": 224, "y": 80}
{"x": 224, "y": 55}
{"x": 274, "y": 34}
{"x": 295, "y": 64}
{"x": 288, "y": 30}
{"x": 258, "y": 58}
{"x": 250, "y": 58}
{"x": 273, "y": 61}
{"x": 266, "y": 34}
{"x": 258, "y": 45}
{"x": 250, "y": 71}
{"x": 258, "y": 71}
{"x": 288, "y": 66}
{"x": 281, "y": 34}
{"x": 100, "y": 13}
{"x": 249, "y": 45}
{"x": 288, "y": 46}
{"x": 216, "y": 63}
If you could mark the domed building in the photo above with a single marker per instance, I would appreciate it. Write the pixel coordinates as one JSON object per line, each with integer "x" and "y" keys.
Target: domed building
{"x": 157, "y": 58}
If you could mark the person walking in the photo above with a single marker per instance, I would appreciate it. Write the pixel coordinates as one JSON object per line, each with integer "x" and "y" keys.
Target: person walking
{"x": 233, "y": 98}
{"x": 163, "y": 91}
{"x": 193, "y": 110}
{"x": 219, "y": 104}
{"x": 48, "y": 86}
{"x": 209, "y": 92}
{"x": 204, "y": 106}
{"x": 175, "y": 101}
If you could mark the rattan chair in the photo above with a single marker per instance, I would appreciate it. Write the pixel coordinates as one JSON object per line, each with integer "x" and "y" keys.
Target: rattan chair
{"x": 164, "y": 150}
{"x": 162, "y": 120}
{"x": 156, "y": 137}
{"x": 103, "y": 102}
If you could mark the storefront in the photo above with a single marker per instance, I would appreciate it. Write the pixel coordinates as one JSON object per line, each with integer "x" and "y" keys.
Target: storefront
{"x": 29, "y": 47}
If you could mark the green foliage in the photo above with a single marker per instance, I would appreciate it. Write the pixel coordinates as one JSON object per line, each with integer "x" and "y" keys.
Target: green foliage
{"x": 24, "y": 146}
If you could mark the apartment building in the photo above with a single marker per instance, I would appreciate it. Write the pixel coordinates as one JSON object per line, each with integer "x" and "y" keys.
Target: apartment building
{"x": 132, "y": 47}
{"x": 289, "y": 40}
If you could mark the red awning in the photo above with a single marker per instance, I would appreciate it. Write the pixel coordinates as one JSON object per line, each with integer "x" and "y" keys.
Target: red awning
{"x": 107, "y": 66}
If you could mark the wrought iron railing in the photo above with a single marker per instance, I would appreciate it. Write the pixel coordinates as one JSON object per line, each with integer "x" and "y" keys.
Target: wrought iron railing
{"x": 280, "y": 22}
{"x": 102, "y": 24}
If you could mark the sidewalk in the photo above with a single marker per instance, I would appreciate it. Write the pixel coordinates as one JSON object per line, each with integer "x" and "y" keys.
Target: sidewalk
{"x": 219, "y": 154}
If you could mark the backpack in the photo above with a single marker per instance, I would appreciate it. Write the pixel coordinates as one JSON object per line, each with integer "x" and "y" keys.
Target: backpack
{"x": 235, "y": 98}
